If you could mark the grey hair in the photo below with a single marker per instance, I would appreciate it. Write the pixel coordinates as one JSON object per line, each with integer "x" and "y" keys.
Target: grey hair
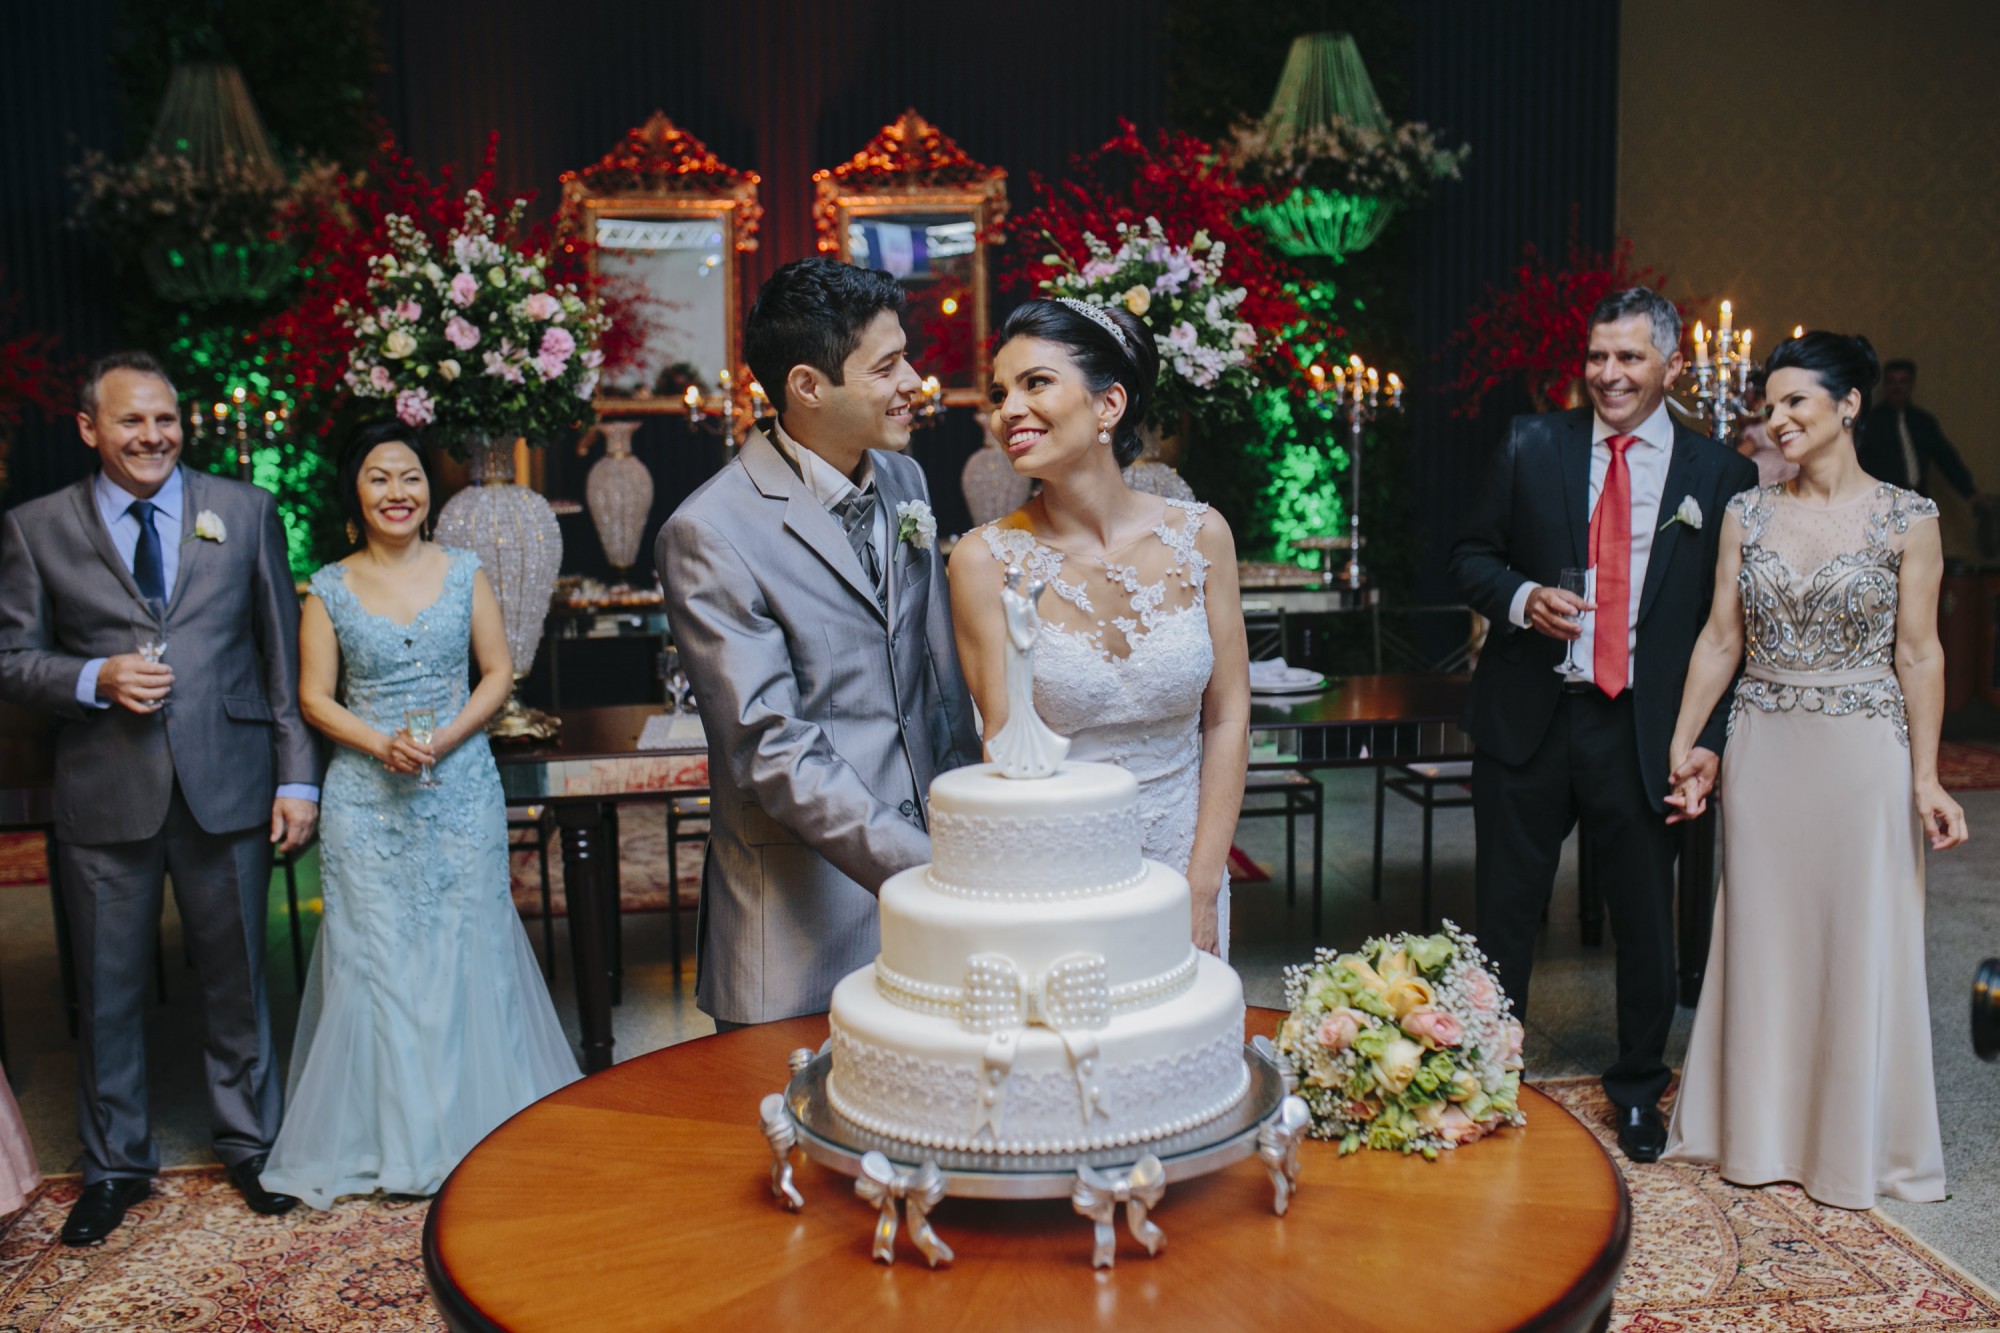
{"x": 143, "y": 363}
{"x": 1643, "y": 301}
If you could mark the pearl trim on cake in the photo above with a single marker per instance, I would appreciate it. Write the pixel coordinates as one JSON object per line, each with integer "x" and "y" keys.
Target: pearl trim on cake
{"x": 947, "y": 1001}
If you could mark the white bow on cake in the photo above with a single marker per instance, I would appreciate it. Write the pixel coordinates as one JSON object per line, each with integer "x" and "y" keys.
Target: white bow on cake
{"x": 1073, "y": 998}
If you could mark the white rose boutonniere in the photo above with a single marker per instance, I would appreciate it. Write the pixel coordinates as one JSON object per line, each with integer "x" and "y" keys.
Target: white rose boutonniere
{"x": 916, "y": 525}
{"x": 209, "y": 527}
{"x": 1689, "y": 513}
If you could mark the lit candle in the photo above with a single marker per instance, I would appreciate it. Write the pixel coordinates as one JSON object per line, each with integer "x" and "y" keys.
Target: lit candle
{"x": 1722, "y": 332}
{"x": 236, "y": 395}
{"x": 1339, "y": 382}
{"x": 1798, "y": 330}
{"x": 1745, "y": 344}
{"x": 1395, "y": 389}
{"x": 1317, "y": 374}
{"x": 932, "y": 387}
{"x": 693, "y": 400}
{"x": 758, "y": 401}
{"x": 1700, "y": 346}
{"x": 722, "y": 378}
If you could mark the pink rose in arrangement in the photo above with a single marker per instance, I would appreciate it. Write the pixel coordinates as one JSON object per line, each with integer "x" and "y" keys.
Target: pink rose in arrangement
{"x": 1337, "y": 1030}
{"x": 414, "y": 408}
{"x": 541, "y": 306}
{"x": 409, "y": 311}
{"x": 1481, "y": 993}
{"x": 593, "y": 358}
{"x": 501, "y": 367}
{"x": 461, "y": 333}
{"x": 557, "y": 342}
{"x": 1433, "y": 1028}
{"x": 1517, "y": 1036}
{"x": 464, "y": 289}
{"x": 380, "y": 380}
{"x": 1457, "y": 1127}
{"x": 551, "y": 367}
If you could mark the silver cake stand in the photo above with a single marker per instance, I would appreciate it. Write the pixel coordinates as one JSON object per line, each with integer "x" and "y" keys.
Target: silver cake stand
{"x": 1269, "y": 1122}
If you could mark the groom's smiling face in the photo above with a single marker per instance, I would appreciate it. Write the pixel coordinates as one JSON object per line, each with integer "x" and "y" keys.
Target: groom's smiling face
{"x": 870, "y": 408}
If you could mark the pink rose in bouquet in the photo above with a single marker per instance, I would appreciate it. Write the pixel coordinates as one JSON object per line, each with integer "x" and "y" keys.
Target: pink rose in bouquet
{"x": 409, "y": 311}
{"x": 1435, "y": 1029}
{"x": 415, "y": 408}
{"x": 380, "y": 379}
{"x": 1517, "y": 1037}
{"x": 464, "y": 290}
{"x": 1338, "y": 1030}
{"x": 540, "y": 305}
{"x": 461, "y": 333}
{"x": 1458, "y": 1127}
{"x": 1481, "y": 993}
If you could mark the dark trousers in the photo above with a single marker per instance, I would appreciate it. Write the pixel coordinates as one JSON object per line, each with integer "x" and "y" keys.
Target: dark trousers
{"x": 112, "y": 893}
{"x": 1588, "y": 767}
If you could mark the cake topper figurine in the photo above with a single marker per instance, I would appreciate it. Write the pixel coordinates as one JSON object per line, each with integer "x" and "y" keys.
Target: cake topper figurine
{"x": 1025, "y": 747}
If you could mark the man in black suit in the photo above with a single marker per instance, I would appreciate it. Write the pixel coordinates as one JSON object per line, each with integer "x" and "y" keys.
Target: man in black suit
{"x": 1550, "y": 746}
{"x": 1901, "y": 443}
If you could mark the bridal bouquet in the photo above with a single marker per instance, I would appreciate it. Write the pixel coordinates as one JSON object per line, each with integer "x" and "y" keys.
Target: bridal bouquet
{"x": 1407, "y": 1043}
{"x": 1205, "y": 344}
{"x": 472, "y": 336}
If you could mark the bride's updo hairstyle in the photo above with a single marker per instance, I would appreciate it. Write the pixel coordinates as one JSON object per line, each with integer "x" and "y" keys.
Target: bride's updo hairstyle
{"x": 1100, "y": 355}
{"x": 1841, "y": 362}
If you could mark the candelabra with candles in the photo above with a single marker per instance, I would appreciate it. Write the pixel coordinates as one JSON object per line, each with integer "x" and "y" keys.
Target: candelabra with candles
{"x": 241, "y": 423}
{"x": 725, "y": 413}
{"x": 1721, "y": 376}
{"x": 928, "y": 410}
{"x": 1355, "y": 393}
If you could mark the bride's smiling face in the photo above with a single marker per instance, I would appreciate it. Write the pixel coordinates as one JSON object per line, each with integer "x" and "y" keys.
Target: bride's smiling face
{"x": 1043, "y": 412}
{"x": 1801, "y": 417}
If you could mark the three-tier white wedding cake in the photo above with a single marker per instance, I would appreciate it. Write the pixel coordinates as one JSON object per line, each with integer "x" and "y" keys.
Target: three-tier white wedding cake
{"x": 1036, "y": 990}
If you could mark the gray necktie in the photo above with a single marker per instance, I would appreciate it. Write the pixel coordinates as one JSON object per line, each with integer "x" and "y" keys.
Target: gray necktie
{"x": 857, "y": 516}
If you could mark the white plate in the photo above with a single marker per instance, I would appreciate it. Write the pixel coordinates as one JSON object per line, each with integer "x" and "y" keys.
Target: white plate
{"x": 1294, "y": 680}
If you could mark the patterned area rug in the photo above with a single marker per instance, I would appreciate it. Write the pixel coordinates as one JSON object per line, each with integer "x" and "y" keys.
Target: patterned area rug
{"x": 24, "y": 859}
{"x": 1969, "y": 765}
{"x": 1708, "y": 1257}
{"x": 193, "y": 1259}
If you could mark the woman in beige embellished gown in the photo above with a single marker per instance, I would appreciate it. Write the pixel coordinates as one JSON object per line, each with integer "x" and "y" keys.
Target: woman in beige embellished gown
{"x": 1811, "y": 1055}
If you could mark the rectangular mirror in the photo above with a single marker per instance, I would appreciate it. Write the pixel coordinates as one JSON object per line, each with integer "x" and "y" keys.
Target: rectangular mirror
{"x": 938, "y": 259}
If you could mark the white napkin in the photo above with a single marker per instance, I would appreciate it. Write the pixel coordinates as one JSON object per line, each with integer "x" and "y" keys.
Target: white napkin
{"x": 1271, "y": 672}
{"x": 673, "y": 731}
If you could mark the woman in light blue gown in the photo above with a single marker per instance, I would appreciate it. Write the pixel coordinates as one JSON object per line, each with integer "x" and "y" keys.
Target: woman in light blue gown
{"x": 425, "y": 1022}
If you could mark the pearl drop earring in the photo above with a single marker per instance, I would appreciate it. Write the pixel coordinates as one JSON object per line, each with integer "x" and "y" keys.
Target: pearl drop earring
{"x": 1847, "y": 423}
{"x": 1104, "y": 432}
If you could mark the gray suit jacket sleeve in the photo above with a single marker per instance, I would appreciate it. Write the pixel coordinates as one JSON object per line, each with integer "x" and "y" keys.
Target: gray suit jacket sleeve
{"x": 32, "y": 672}
{"x": 295, "y": 752}
{"x": 737, "y": 659}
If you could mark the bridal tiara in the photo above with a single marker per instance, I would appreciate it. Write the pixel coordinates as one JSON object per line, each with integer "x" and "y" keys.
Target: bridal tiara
{"x": 1096, "y": 315}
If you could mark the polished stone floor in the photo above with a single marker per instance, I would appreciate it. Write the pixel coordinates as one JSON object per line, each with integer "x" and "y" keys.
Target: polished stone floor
{"x": 1570, "y": 1030}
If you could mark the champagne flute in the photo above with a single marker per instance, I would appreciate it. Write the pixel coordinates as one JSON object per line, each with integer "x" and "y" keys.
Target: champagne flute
{"x": 1572, "y": 581}
{"x": 676, "y": 679}
{"x": 149, "y": 635}
{"x": 421, "y": 723}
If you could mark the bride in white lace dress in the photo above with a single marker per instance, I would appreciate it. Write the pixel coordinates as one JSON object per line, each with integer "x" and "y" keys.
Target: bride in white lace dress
{"x": 1142, "y": 660}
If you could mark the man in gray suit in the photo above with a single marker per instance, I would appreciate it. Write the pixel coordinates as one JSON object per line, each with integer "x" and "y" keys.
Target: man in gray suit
{"x": 807, "y": 598}
{"x": 193, "y": 766}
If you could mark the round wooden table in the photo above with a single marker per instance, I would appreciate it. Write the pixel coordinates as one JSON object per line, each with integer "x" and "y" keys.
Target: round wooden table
{"x": 639, "y": 1198}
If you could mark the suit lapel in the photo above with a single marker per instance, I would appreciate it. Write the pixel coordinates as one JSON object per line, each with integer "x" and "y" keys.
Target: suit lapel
{"x": 190, "y": 551}
{"x": 92, "y": 523}
{"x": 1680, "y": 479}
{"x": 897, "y": 561}
{"x": 1576, "y": 487}
{"x": 805, "y": 518}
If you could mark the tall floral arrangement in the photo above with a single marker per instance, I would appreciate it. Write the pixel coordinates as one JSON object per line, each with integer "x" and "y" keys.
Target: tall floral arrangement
{"x": 1533, "y": 333}
{"x": 1167, "y": 192}
{"x": 1407, "y": 1043}
{"x": 471, "y": 334}
{"x": 1179, "y": 291}
{"x": 1400, "y": 164}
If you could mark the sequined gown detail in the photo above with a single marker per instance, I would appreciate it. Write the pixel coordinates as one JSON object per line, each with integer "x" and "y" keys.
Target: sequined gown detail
{"x": 1811, "y": 1055}
{"x": 1121, "y": 665}
{"x": 425, "y": 1021}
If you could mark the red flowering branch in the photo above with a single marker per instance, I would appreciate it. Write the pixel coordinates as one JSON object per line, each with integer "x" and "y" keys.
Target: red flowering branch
{"x": 1535, "y": 331}
{"x": 32, "y": 372}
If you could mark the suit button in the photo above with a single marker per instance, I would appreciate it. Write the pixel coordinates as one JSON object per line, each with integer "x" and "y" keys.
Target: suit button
{"x": 907, "y": 809}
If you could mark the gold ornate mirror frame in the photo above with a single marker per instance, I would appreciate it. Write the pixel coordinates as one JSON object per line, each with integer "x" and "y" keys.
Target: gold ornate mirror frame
{"x": 663, "y": 211}
{"x": 917, "y": 185}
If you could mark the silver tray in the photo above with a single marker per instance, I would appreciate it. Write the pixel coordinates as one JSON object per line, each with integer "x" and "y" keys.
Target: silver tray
{"x": 1268, "y": 1122}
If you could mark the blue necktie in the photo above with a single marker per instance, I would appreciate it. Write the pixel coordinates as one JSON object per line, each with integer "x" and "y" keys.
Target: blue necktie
{"x": 149, "y": 567}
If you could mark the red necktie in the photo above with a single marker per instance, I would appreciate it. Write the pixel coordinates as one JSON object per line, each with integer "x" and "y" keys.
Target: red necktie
{"x": 1611, "y": 557}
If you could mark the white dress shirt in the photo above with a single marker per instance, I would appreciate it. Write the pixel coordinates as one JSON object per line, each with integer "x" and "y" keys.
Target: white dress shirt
{"x": 826, "y": 482}
{"x": 1646, "y": 467}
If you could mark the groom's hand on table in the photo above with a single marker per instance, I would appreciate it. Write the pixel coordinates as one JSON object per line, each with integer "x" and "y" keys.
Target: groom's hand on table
{"x": 1553, "y": 612}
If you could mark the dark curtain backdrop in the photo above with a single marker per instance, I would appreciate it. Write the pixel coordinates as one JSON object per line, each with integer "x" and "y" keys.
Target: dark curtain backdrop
{"x": 784, "y": 87}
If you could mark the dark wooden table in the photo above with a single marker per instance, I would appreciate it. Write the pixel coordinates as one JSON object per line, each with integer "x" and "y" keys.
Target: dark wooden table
{"x": 639, "y": 1199}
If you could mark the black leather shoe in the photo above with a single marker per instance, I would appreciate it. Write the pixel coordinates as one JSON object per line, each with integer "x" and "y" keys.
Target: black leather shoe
{"x": 1642, "y": 1133}
{"x": 101, "y": 1207}
{"x": 245, "y": 1176}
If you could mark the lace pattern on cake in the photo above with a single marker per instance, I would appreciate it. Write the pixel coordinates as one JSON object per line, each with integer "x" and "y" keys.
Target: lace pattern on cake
{"x": 1041, "y": 856}
{"x": 951, "y": 1001}
{"x": 932, "y": 1103}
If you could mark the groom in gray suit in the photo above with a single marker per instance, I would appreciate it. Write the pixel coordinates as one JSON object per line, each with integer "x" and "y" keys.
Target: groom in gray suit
{"x": 807, "y": 599}
{"x": 193, "y": 766}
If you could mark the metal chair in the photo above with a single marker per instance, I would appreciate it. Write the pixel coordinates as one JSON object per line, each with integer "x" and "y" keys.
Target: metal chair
{"x": 683, "y": 808}
{"x": 530, "y": 828}
{"x": 1299, "y": 795}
